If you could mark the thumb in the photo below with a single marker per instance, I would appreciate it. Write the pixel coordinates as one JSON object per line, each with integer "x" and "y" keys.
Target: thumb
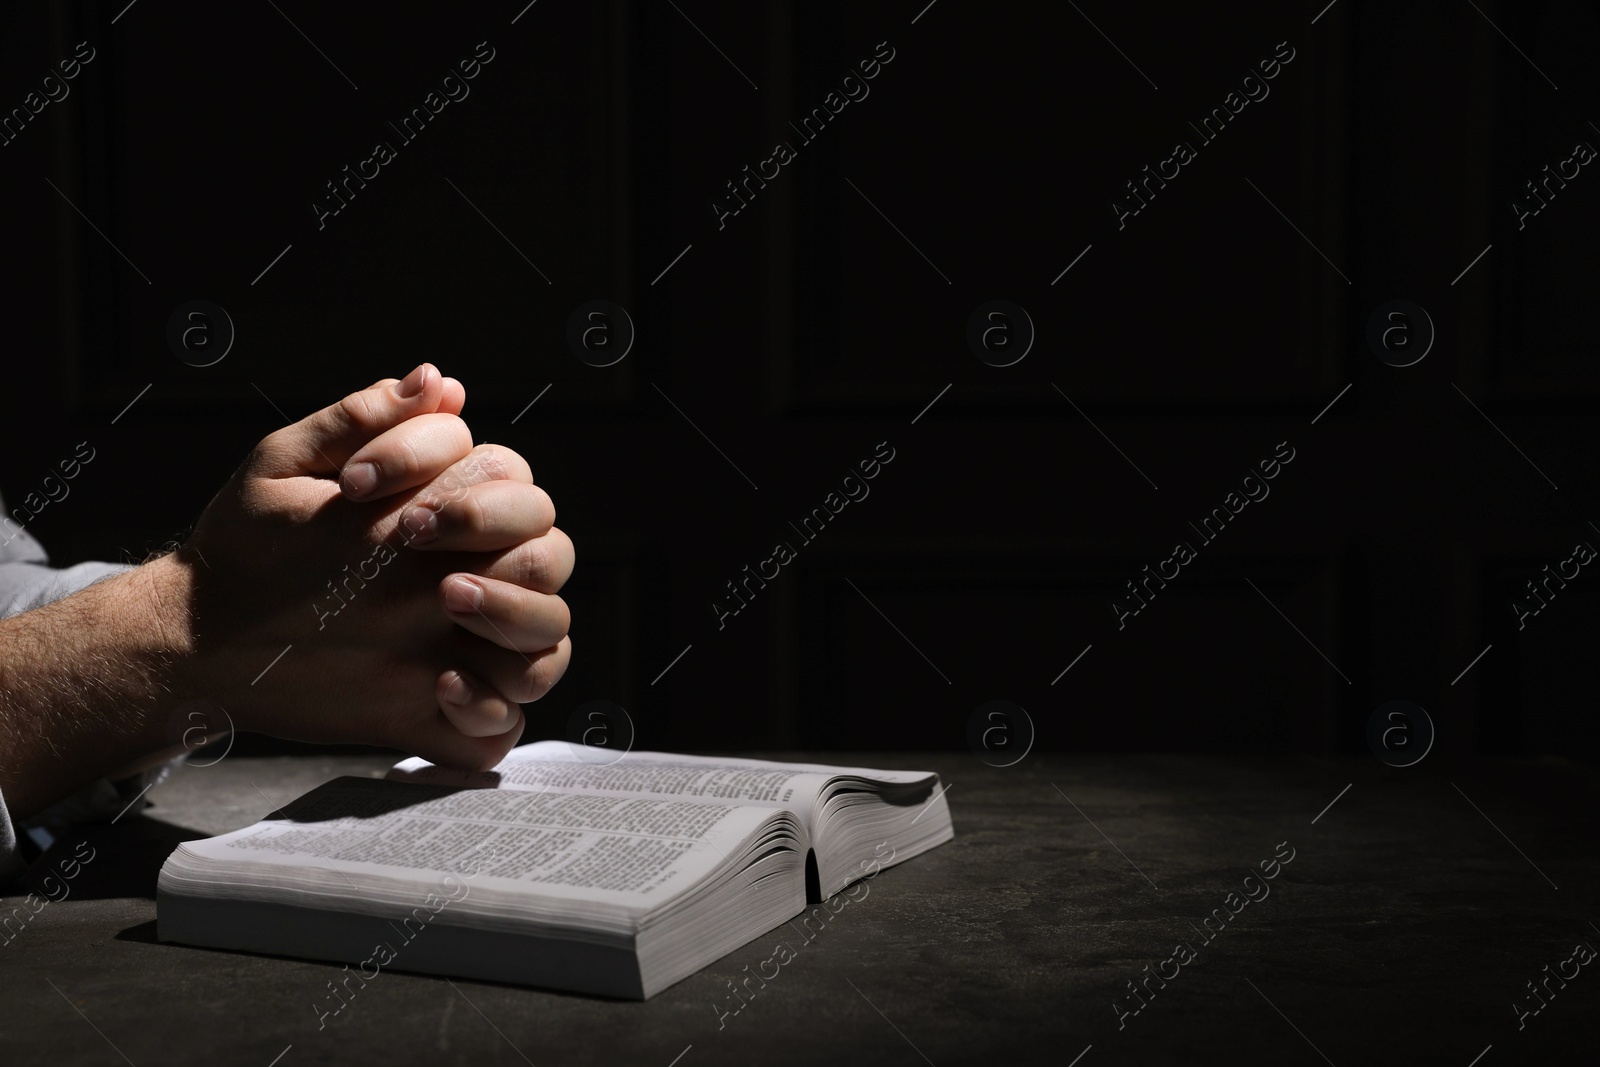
{"x": 323, "y": 442}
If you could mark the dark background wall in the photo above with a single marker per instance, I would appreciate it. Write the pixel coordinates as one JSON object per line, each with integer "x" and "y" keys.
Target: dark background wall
{"x": 1177, "y": 352}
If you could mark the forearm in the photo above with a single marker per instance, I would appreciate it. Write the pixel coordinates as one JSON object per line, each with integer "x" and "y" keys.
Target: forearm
{"x": 88, "y": 682}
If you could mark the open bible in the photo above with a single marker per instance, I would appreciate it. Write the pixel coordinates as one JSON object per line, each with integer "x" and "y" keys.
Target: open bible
{"x": 553, "y": 869}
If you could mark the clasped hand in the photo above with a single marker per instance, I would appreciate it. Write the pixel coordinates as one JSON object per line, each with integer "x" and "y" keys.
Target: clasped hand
{"x": 406, "y": 580}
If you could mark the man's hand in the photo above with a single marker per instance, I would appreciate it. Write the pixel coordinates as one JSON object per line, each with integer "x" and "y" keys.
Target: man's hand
{"x": 415, "y": 594}
{"x": 366, "y": 576}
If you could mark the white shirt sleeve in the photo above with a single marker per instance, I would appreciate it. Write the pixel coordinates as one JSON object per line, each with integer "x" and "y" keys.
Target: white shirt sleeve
{"x": 26, "y": 578}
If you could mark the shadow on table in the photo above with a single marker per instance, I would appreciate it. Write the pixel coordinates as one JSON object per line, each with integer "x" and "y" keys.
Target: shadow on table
{"x": 95, "y": 861}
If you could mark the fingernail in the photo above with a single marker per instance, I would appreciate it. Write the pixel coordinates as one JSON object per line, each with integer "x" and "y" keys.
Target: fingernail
{"x": 463, "y": 596}
{"x": 456, "y": 691}
{"x": 423, "y": 525}
{"x": 413, "y": 384}
{"x": 359, "y": 479}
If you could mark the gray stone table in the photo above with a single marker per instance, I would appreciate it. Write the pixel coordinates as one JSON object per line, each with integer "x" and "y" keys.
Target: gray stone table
{"x": 1418, "y": 905}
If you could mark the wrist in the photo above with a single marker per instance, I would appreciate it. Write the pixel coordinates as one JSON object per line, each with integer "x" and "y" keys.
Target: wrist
{"x": 165, "y": 588}
{"x": 157, "y": 646}
{"x": 168, "y": 644}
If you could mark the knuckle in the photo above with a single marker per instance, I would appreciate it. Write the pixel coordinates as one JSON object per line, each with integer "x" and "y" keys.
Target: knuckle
{"x": 267, "y": 451}
{"x": 498, "y": 461}
{"x": 543, "y": 563}
{"x": 535, "y": 567}
{"x": 470, "y": 513}
{"x": 487, "y": 463}
{"x": 533, "y": 683}
{"x": 357, "y": 410}
{"x": 407, "y": 456}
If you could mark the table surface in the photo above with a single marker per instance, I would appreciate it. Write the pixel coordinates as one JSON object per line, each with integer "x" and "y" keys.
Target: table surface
{"x": 1417, "y": 906}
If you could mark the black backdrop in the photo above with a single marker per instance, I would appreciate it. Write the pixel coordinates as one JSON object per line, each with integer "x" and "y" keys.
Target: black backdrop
{"x": 775, "y": 348}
